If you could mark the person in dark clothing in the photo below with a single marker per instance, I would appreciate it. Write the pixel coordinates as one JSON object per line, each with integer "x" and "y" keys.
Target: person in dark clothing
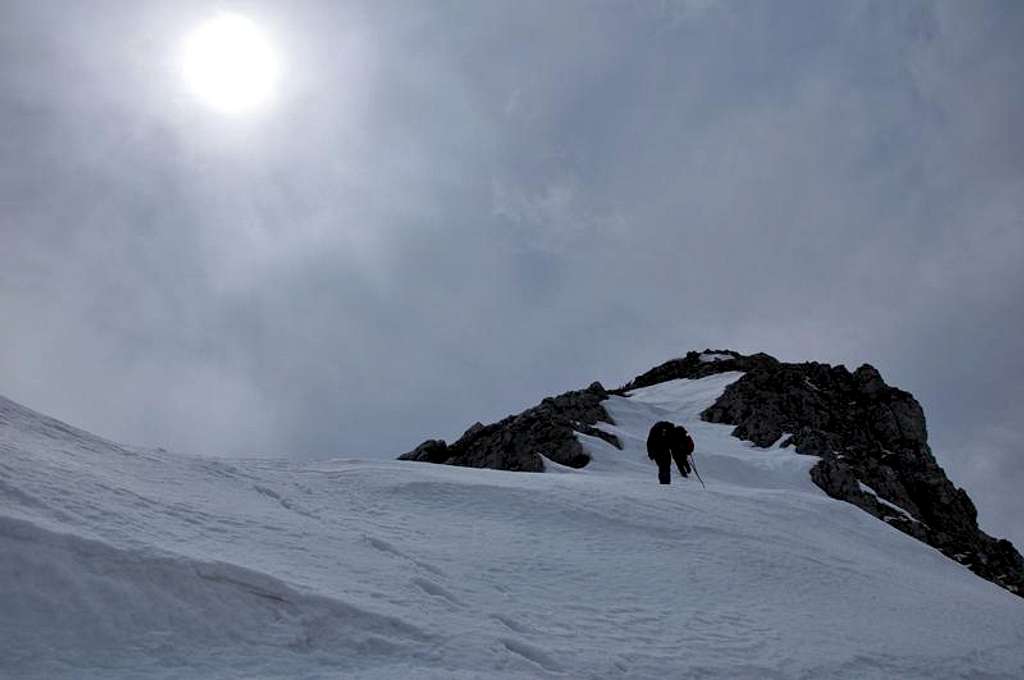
{"x": 659, "y": 449}
{"x": 681, "y": 446}
{"x": 667, "y": 442}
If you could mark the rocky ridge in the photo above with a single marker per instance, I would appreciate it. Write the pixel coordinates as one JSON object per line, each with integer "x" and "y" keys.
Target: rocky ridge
{"x": 518, "y": 442}
{"x": 871, "y": 438}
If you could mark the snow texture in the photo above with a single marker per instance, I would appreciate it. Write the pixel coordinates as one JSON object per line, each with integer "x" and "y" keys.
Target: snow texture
{"x": 712, "y": 357}
{"x": 118, "y": 562}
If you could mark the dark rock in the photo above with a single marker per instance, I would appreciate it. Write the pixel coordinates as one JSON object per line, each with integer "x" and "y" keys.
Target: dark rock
{"x": 868, "y": 380}
{"x": 517, "y": 442}
{"x": 835, "y": 479}
{"x": 692, "y": 366}
{"x": 430, "y": 451}
{"x": 473, "y": 430}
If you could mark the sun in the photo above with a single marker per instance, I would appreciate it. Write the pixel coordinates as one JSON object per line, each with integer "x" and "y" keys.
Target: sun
{"x": 230, "y": 64}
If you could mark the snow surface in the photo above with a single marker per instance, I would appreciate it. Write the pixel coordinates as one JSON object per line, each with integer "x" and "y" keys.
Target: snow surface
{"x": 869, "y": 490}
{"x": 712, "y": 357}
{"x": 118, "y": 562}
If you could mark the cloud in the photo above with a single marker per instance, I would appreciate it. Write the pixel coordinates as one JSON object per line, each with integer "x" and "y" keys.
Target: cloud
{"x": 453, "y": 211}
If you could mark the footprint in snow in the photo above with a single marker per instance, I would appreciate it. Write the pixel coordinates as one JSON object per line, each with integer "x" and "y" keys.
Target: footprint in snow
{"x": 435, "y": 590}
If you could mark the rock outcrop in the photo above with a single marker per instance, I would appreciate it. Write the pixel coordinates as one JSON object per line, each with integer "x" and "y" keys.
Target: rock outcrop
{"x": 518, "y": 442}
{"x": 697, "y": 365}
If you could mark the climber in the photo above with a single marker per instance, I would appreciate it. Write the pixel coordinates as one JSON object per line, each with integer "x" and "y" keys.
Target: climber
{"x": 681, "y": 446}
{"x": 659, "y": 449}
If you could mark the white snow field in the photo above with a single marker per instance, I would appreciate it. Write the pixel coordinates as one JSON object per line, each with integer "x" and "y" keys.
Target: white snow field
{"x": 118, "y": 562}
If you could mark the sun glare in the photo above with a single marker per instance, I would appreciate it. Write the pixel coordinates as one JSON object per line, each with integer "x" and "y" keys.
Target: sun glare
{"x": 230, "y": 65}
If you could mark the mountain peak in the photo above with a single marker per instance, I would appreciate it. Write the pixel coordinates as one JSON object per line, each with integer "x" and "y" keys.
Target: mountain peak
{"x": 871, "y": 438}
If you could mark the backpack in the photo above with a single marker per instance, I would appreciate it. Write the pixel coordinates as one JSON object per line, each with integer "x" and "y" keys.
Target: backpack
{"x": 682, "y": 440}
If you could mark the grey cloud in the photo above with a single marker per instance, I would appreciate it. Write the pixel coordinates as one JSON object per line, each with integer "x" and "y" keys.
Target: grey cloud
{"x": 458, "y": 208}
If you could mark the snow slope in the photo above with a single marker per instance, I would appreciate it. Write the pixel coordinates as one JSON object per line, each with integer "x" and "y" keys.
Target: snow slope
{"x": 126, "y": 563}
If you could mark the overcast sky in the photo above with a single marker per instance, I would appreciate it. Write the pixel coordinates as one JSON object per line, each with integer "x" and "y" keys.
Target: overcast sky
{"x": 453, "y": 209}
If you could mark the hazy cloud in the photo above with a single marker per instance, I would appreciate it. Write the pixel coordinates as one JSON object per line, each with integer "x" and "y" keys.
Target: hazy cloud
{"x": 455, "y": 209}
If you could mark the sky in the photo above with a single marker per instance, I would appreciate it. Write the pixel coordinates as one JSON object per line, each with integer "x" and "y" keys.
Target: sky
{"x": 449, "y": 210}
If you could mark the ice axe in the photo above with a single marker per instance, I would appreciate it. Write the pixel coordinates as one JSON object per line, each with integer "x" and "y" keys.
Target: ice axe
{"x": 693, "y": 464}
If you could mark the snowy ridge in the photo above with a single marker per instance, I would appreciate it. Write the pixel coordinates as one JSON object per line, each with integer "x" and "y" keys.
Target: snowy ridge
{"x": 125, "y": 563}
{"x": 712, "y": 357}
{"x": 190, "y": 603}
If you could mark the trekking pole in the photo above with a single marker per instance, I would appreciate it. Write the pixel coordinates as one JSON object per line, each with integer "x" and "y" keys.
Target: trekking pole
{"x": 693, "y": 464}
